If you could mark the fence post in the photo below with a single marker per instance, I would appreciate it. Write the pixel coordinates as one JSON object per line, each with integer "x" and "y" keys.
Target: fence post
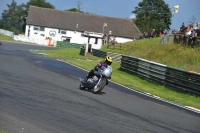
{"x": 86, "y": 48}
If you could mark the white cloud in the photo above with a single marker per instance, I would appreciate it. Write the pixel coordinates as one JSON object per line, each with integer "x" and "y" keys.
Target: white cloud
{"x": 132, "y": 16}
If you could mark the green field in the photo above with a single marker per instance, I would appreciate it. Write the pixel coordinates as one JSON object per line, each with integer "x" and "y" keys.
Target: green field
{"x": 7, "y": 38}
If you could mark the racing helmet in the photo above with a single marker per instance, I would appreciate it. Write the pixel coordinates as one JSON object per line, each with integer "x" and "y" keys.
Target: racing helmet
{"x": 108, "y": 60}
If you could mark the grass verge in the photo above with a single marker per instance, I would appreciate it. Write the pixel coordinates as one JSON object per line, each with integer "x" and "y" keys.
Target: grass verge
{"x": 2, "y": 131}
{"x": 7, "y": 38}
{"x": 71, "y": 55}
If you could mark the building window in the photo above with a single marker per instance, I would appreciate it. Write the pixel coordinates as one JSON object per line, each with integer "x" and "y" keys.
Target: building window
{"x": 68, "y": 40}
{"x": 35, "y": 28}
{"x": 65, "y": 39}
{"x": 41, "y": 28}
{"x": 82, "y": 34}
{"x": 62, "y": 32}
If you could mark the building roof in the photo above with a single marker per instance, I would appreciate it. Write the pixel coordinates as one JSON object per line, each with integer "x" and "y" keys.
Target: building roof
{"x": 67, "y": 20}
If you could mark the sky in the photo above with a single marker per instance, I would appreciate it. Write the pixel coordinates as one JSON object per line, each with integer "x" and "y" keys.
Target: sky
{"x": 122, "y": 8}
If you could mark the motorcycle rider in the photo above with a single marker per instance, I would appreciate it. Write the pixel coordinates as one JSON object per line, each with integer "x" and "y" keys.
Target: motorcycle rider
{"x": 100, "y": 65}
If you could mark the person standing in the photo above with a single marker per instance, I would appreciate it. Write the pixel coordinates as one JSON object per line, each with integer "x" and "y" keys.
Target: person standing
{"x": 104, "y": 39}
{"x": 192, "y": 38}
{"x": 164, "y": 37}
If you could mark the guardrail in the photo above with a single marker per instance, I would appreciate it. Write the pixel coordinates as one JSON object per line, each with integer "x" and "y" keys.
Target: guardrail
{"x": 148, "y": 70}
{"x": 99, "y": 53}
{"x": 181, "y": 80}
{"x": 62, "y": 44}
{"x": 103, "y": 54}
{"x": 178, "y": 79}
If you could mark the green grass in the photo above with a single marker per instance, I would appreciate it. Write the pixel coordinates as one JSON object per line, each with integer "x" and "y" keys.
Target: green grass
{"x": 7, "y": 38}
{"x": 71, "y": 55}
{"x": 2, "y": 131}
{"x": 176, "y": 55}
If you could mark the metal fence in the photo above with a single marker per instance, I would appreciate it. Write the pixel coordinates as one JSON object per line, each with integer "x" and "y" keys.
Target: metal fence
{"x": 182, "y": 80}
{"x": 181, "y": 39}
{"x": 178, "y": 79}
{"x": 146, "y": 69}
{"x": 62, "y": 44}
{"x": 99, "y": 53}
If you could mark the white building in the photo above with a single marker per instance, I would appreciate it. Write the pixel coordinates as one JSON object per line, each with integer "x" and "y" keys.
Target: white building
{"x": 76, "y": 27}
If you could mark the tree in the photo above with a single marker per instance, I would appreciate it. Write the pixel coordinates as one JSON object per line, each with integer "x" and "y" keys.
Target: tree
{"x": 79, "y": 3}
{"x": 74, "y": 10}
{"x": 13, "y": 17}
{"x": 192, "y": 20}
{"x": 40, "y": 3}
{"x": 78, "y": 9}
{"x": 152, "y": 14}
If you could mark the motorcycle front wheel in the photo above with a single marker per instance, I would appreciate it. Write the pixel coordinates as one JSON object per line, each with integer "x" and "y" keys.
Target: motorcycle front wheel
{"x": 99, "y": 87}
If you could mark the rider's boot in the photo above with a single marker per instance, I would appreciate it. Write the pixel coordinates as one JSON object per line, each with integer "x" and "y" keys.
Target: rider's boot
{"x": 85, "y": 79}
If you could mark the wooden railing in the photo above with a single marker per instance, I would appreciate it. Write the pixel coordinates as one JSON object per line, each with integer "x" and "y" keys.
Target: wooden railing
{"x": 179, "y": 38}
{"x": 117, "y": 46}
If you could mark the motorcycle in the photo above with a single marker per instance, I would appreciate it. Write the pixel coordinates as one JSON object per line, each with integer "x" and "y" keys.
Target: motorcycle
{"x": 97, "y": 82}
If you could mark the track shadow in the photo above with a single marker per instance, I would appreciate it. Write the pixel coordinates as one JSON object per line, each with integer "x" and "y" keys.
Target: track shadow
{"x": 90, "y": 90}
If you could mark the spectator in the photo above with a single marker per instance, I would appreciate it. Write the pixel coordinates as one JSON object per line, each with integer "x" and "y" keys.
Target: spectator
{"x": 182, "y": 28}
{"x": 152, "y": 34}
{"x": 196, "y": 26}
{"x": 191, "y": 24}
{"x": 104, "y": 39}
{"x": 187, "y": 31}
{"x": 197, "y": 33}
{"x": 164, "y": 37}
{"x": 160, "y": 34}
{"x": 145, "y": 35}
{"x": 191, "y": 37}
{"x": 114, "y": 41}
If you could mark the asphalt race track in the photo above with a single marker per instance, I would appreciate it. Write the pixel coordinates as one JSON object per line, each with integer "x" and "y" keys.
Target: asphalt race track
{"x": 41, "y": 95}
